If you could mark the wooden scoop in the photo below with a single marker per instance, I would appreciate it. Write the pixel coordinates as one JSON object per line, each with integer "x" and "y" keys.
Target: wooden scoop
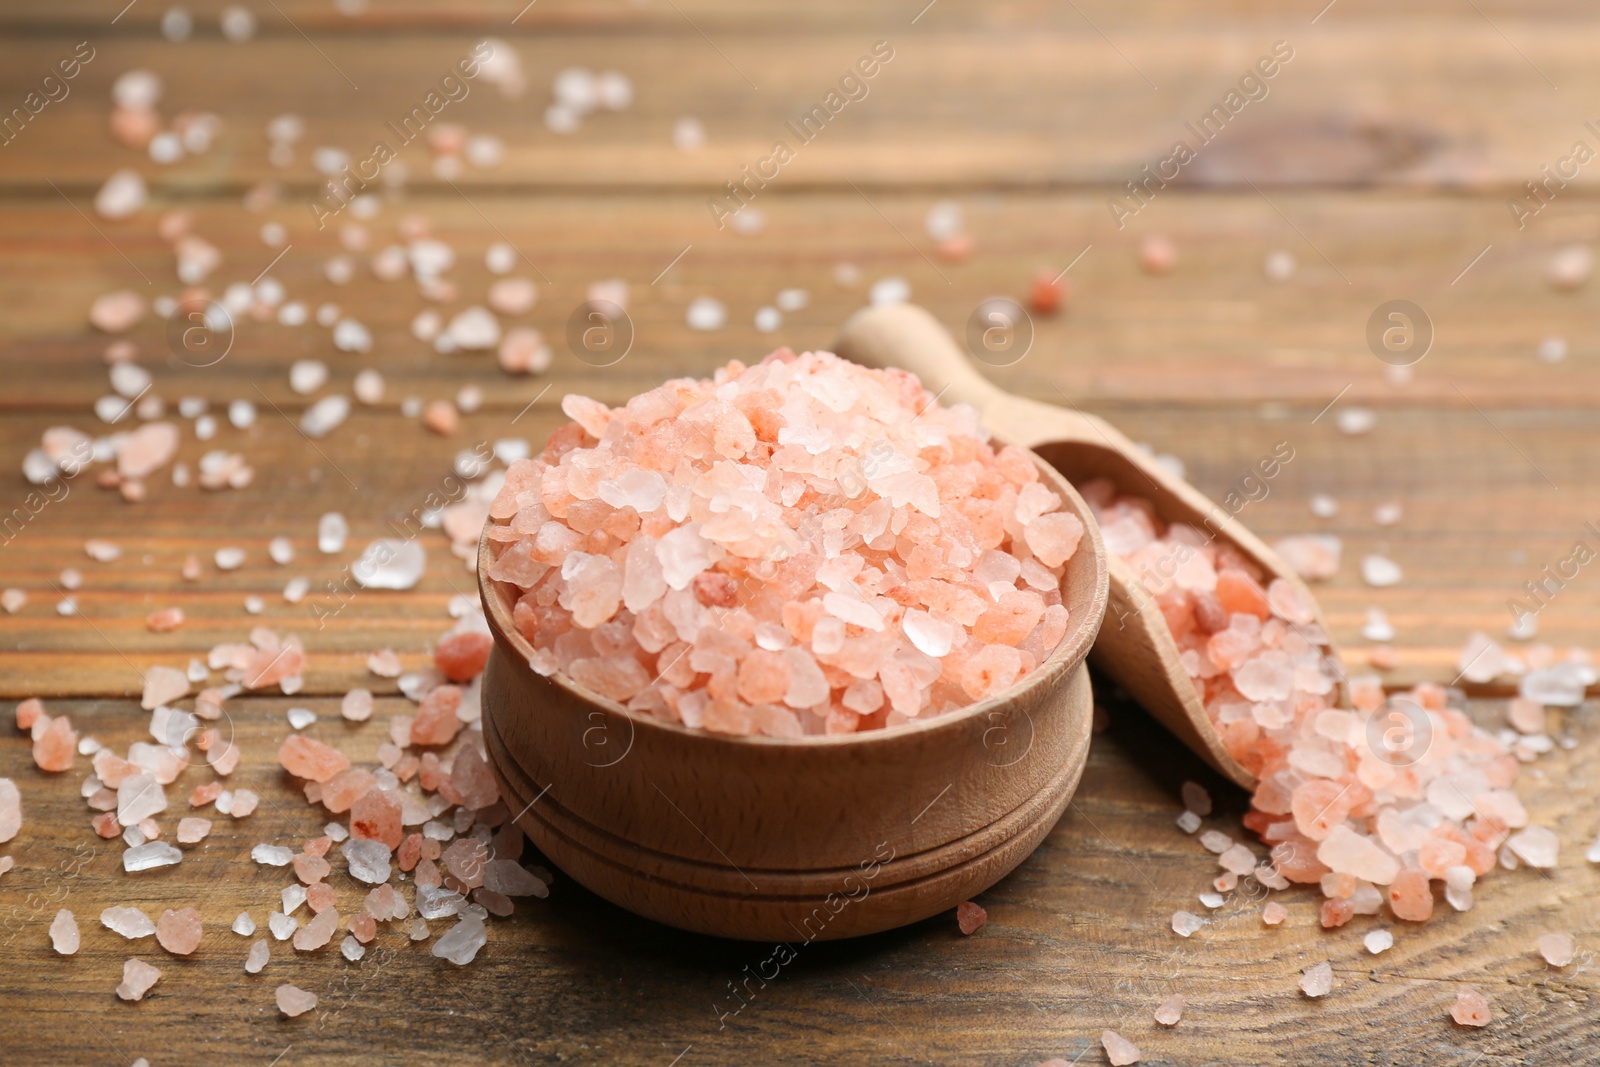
{"x": 1134, "y": 645}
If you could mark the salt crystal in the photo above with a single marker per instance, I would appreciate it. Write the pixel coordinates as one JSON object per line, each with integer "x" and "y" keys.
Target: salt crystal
{"x": 293, "y": 1001}
{"x": 1470, "y": 1008}
{"x": 122, "y": 194}
{"x": 1536, "y": 846}
{"x": 131, "y": 923}
{"x": 179, "y": 932}
{"x": 272, "y": 855}
{"x": 331, "y": 533}
{"x": 137, "y": 978}
{"x": 1561, "y": 685}
{"x": 1556, "y": 949}
{"x": 706, "y": 314}
{"x": 64, "y": 933}
{"x": 1317, "y": 981}
{"x": 1184, "y": 923}
{"x": 192, "y": 831}
{"x": 150, "y": 856}
{"x": 368, "y": 860}
{"x": 1570, "y": 267}
{"x": 1378, "y": 941}
{"x": 460, "y": 944}
{"x": 1188, "y": 822}
{"x": 1119, "y": 1050}
{"x": 300, "y": 718}
{"x": 1171, "y": 1010}
{"x": 10, "y": 809}
{"x": 323, "y": 417}
{"x": 260, "y": 955}
{"x": 318, "y": 932}
{"x": 244, "y": 925}
{"x": 1379, "y": 571}
{"x": 1212, "y": 841}
{"x": 1195, "y": 798}
{"x": 292, "y": 897}
{"x": 389, "y": 563}
{"x": 306, "y": 376}
{"x": 351, "y": 949}
{"x": 1356, "y": 420}
{"x": 1273, "y": 913}
{"x": 281, "y": 925}
{"x": 970, "y": 917}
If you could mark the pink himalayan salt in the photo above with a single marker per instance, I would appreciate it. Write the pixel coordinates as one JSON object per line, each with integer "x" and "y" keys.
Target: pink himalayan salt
{"x": 466, "y": 859}
{"x": 64, "y": 933}
{"x": 1273, "y": 913}
{"x": 436, "y": 722}
{"x": 55, "y": 745}
{"x": 1556, "y": 949}
{"x": 345, "y": 788}
{"x": 117, "y": 312}
{"x": 376, "y": 817}
{"x": 970, "y": 917}
{"x": 384, "y": 663}
{"x": 1185, "y": 923}
{"x": 1317, "y": 981}
{"x": 1470, "y": 1008}
{"x": 293, "y": 1001}
{"x": 356, "y": 705}
{"x": 363, "y": 927}
{"x": 10, "y": 810}
{"x": 179, "y": 931}
{"x": 1269, "y": 687}
{"x": 472, "y": 780}
{"x": 307, "y": 758}
{"x": 318, "y": 932}
{"x": 1526, "y": 716}
{"x": 319, "y": 896}
{"x": 461, "y": 657}
{"x": 1410, "y": 895}
{"x": 1119, "y": 1050}
{"x": 310, "y": 868}
{"x": 137, "y": 978}
{"x": 790, "y": 508}
{"x": 147, "y": 449}
{"x": 1171, "y": 1010}
{"x": 164, "y": 621}
{"x": 28, "y": 712}
{"x": 192, "y": 831}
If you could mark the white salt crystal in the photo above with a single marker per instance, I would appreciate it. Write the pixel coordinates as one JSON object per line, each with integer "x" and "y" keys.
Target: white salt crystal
{"x": 64, "y": 933}
{"x": 300, "y": 718}
{"x": 271, "y": 855}
{"x": 123, "y": 194}
{"x": 260, "y": 954}
{"x": 150, "y": 855}
{"x": 368, "y": 860}
{"x": 792, "y": 299}
{"x": 281, "y": 925}
{"x": 306, "y": 376}
{"x": 1212, "y": 900}
{"x": 461, "y": 942}
{"x": 323, "y": 417}
{"x": 293, "y": 896}
{"x": 351, "y": 949}
{"x": 244, "y": 926}
{"x": 437, "y": 902}
{"x": 1379, "y": 571}
{"x": 1317, "y": 981}
{"x": 139, "y": 797}
{"x": 1213, "y": 841}
{"x": 474, "y": 330}
{"x": 389, "y": 563}
{"x": 1553, "y": 349}
{"x": 1561, "y": 685}
{"x": 131, "y": 923}
{"x": 1355, "y": 421}
{"x": 230, "y": 558}
{"x": 1186, "y": 923}
{"x": 1377, "y": 627}
{"x": 768, "y": 319}
{"x": 890, "y": 290}
{"x": 1378, "y": 941}
{"x": 1188, "y": 822}
{"x": 332, "y": 529}
{"x": 706, "y": 314}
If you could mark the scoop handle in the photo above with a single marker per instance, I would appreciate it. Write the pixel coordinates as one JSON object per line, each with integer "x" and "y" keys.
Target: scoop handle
{"x": 908, "y": 337}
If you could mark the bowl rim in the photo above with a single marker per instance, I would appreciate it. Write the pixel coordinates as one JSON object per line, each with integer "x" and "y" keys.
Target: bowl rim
{"x": 1069, "y": 654}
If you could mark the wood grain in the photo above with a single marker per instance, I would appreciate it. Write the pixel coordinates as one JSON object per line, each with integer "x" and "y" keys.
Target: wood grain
{"x": 1383, "y": 157}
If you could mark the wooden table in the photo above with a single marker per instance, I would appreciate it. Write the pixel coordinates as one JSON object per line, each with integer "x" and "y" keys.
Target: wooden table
{"x": 1382, "y": 158}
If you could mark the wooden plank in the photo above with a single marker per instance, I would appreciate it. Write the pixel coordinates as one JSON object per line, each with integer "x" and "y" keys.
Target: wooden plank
{"x": 1077, "y": 942}
{"x": 1443, "y": 104}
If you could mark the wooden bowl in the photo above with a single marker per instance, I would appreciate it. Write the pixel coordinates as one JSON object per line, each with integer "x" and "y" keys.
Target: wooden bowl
{"x": 813, "y": 838}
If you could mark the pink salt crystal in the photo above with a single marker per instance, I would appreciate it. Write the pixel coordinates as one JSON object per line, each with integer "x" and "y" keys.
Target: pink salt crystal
{"x": 1273, "y": 913}
{"x": 310, "y": 869}
{"x": 1196, "y": 799}
{"x": 318, "y": 932}
{"x": 146, "y": 450}
{"x": 107, "y": 826}
{"x": 461, "y": 657}
{"x": 163, "y": 685}
{"x": 205, "y": 794}
{"x": 164, "y": 621}
{"x": 137, "y": 978}
{"x": 1411, "y": 896}
{"x": 1238, "y": 859}
{"x": 304, "y": 757}
{"x": 472, "y": 780}
{"x": 179, "y": 931}
{"x": 384, "y": 663}
{"x": 1053, "y": 537}
{"x": 1317, "y": 981}
{"x": 970, "y": 917}
{"x": 150, "y": 829}
{"x": 1556, "y": 949}
{"x": 356, "y": 705}
{"x": 1470, "y": 1008}
{"x": 1119, "y": 1050}
{"x": 1348, "y": 852}
{"x": 28, "y": 712}
{"x": 191, "y": 830}
{"x": 363, "y": 926}
{"x": 436, "y": 722}
{"x": 116, "y": 312}
{"x": 466, "y": 859}
{"x": 1526, "y": 716}
{"x": 55, "y": 746}
{"x": 1171, "y": 1010}
{"x": 293, "y": 1001}
{"x": 64, "y": 933}
{"x": 376, "y": 817}
{"x": 319, "y": 896}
